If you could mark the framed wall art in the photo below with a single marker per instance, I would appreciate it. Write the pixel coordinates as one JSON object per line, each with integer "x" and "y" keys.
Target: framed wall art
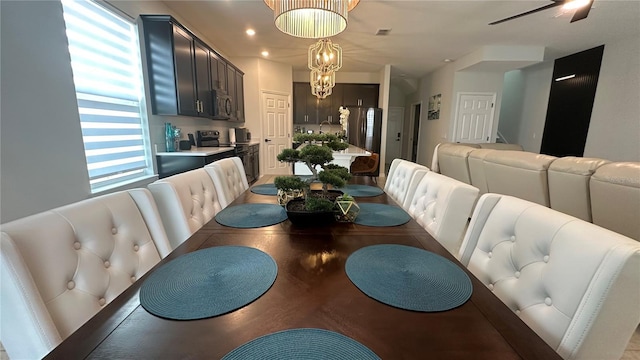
{"x": 433, "y": 112}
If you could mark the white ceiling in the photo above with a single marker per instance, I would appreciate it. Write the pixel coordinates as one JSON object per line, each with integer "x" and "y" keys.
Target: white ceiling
{"x": 423, "y": 33}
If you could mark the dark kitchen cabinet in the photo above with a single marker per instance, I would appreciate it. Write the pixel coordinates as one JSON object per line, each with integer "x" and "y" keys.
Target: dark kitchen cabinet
{"x": 252, "y": 163}
{"x": 239, "y": 95}
{"x": 203, "y": 80}
{"x": 360, "y": 95}
{"x": 171, "y": 60}
{"x": 174, "y": 164}
{"x": 308, "y": 109}
{"x": 183, "y": 71}
{"x": 300, "y": 114}
{"x": 231, "y": 90}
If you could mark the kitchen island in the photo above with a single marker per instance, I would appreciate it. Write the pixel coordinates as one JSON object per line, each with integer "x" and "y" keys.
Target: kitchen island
{"x": 342, "y": 158}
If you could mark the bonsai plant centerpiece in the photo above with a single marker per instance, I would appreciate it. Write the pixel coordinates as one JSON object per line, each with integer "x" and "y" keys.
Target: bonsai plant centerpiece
{"x": 316, "y": 152}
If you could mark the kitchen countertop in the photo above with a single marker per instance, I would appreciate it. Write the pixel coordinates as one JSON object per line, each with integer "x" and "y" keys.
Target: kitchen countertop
{"x": 197, "y": 151}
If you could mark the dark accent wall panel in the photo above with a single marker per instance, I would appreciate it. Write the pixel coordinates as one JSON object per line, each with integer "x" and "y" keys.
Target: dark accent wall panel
{"x": 571, "y": 102}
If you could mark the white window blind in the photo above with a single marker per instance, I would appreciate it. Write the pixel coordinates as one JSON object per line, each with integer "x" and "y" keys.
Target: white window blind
{"x": 107, "y": 75}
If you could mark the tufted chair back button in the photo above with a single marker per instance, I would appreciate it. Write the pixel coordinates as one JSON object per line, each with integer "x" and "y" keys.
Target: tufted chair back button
{"x": 546, "y": 258}
{"x": 114, "y": 231}
{"x": 133, "y": 279}
{"x": 548, "y": 301}
{"x": 517, "y": 312}
{"x": 107, "y": 264}
{"x": 513, "y": 238}
{"x": 136, "y": 247}
{"x": 490, "y": 286}
{"x": 71, "y": 285}
{"x": 490, "y": 254}
{"x": 77, "y": 245}
{"x": 102, "y": 301}
{"x": 517, "y": 274}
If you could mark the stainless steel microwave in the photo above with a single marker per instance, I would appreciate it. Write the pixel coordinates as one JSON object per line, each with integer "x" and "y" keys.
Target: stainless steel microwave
{"x": 221, "y": 105}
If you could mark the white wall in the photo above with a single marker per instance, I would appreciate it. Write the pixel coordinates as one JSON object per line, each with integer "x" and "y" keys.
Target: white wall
{"x": 433, "y": 132}
{"x": 42, "y": 154}
{"x": 614, "y": 130}
{"x": 511, "y": 108}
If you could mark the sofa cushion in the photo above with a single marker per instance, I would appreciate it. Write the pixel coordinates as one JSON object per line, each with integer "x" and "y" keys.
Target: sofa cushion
{"x": 569, "y": 185}
{"x": 518, "y": 173}
{"x": 615, "y": 197}
{"x": 452, "y": 161}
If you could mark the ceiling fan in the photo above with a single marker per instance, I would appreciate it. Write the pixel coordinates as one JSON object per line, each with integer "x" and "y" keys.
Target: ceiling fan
{"x": 582, "y": 10}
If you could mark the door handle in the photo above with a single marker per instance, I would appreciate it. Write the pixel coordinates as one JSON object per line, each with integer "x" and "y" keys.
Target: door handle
{"x": 267, "y": 140}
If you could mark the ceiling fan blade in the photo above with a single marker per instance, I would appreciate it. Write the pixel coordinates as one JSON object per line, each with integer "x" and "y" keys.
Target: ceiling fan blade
{"x": 582, "y": 12}
{"x": 552, "y": 5}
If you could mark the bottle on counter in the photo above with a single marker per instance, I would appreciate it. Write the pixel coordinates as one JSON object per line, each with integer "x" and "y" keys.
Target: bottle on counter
{"x": 169, "y": 134}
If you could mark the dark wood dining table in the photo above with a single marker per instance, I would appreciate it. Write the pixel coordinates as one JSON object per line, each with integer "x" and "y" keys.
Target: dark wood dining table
{"x": 311, "y": 290}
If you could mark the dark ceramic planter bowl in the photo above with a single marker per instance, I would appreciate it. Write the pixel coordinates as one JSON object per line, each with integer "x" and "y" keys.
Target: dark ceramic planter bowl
{"x": 310, "y": 218}
{"x": 307, "y": 218}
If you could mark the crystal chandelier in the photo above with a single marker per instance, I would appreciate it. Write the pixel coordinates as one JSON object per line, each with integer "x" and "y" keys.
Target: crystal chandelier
{"x": 312, "y": 19}
{"x": 322, "y": 83}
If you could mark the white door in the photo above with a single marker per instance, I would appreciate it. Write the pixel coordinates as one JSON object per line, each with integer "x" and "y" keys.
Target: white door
{"x": 474, "y": 117}
{"x": 395, "y": 125}
{"x": 276, "y": 126}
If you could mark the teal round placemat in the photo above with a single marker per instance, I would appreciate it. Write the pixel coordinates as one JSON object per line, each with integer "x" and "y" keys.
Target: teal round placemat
{"x": 408, "y": 278}
{"x": 208, "y": 282}
{"x": 361, "y": 190}
{"x": 302, "y": 344}
{"x": 251, "y": 215}
{"x": 265, "y": 189}
{"x": 381, "y": 215}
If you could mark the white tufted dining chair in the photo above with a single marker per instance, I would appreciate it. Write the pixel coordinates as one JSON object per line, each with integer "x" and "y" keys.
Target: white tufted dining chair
{"x": 442, "y": 206}
{"x": 229, "y": 179}
{"x": 577, "y": 285}
{"x": 60, "y": 267}
{"x": 399, "y": 179}
{"x": 186, "y": 202}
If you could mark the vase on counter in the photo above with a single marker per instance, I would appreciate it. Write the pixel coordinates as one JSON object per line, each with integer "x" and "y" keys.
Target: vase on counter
{"x": 169, "y": 134}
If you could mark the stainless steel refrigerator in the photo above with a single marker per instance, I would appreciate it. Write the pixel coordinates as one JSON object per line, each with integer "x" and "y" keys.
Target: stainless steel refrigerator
{"x": 365, "y": 128}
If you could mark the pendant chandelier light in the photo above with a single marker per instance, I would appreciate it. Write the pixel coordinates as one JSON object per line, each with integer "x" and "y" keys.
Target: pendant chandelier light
{"x": 322, "y": 83}
{"x": 312, "y": 19}
{"x": 325, "y": 56}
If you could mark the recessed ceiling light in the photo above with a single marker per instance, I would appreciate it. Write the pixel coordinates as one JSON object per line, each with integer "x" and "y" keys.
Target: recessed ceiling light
{"x": 250, "y": 32}
{"x": 265, "y": 53}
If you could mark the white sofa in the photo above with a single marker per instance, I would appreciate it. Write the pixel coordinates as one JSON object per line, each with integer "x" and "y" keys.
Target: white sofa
{"x": 186, "y": 202}
{"x": 61, "y": 267}
{"x": 576, "y": 284}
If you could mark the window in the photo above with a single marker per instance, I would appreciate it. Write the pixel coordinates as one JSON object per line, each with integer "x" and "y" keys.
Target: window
{"x": 107, "y": 75}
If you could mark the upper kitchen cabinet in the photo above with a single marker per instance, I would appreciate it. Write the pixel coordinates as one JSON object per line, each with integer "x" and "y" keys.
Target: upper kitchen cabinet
{"x": 183, "y": 71}
{"x": 239, "y": 95}
{"x": 360, "y": 95}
